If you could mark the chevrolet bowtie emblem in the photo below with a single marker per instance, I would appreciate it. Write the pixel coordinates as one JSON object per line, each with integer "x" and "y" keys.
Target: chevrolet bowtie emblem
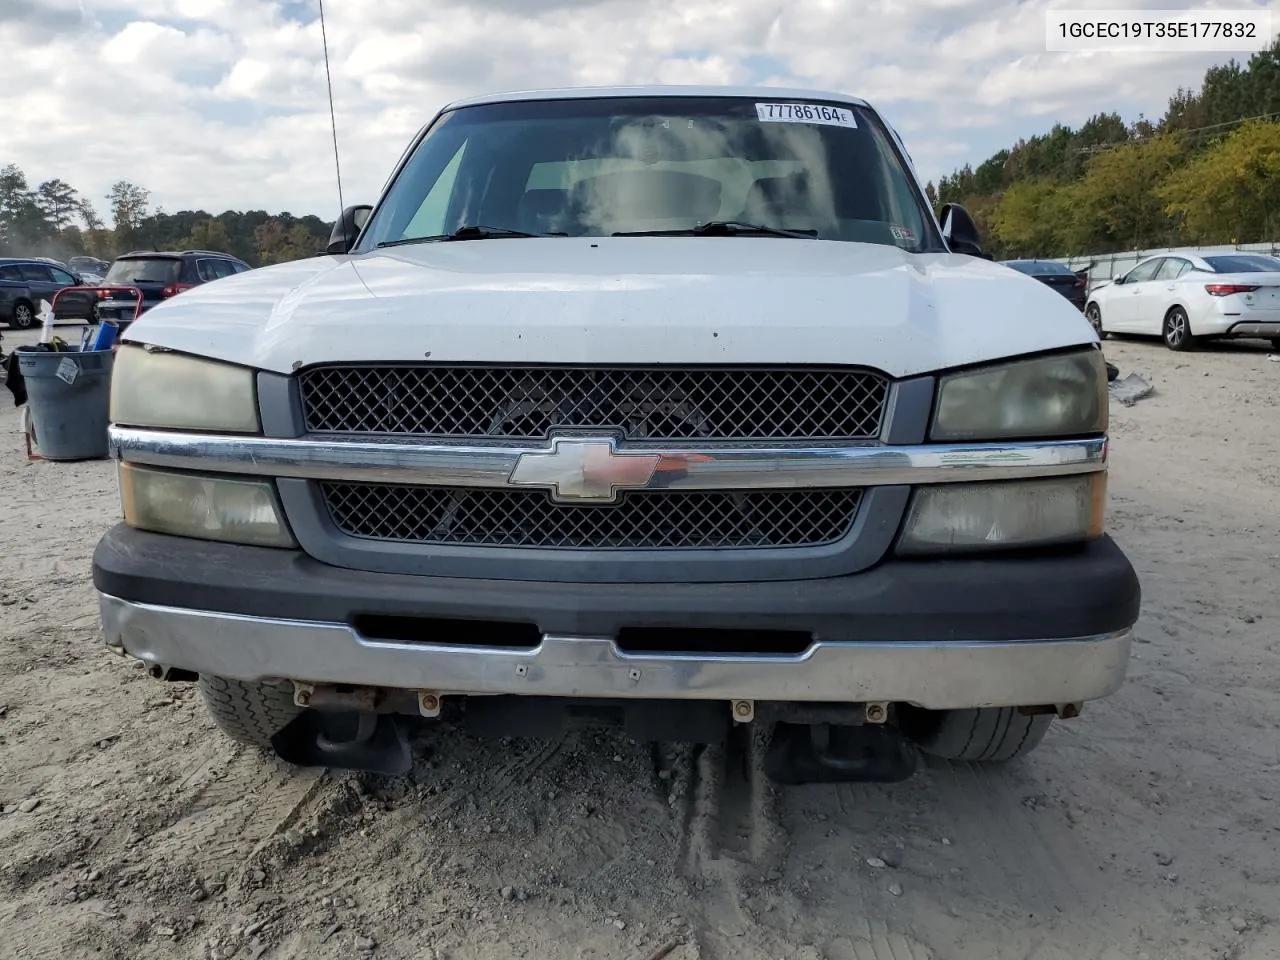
{"x": 585, "y": 470}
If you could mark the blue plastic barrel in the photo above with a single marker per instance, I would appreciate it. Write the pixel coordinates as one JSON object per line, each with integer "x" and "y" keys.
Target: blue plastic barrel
{"x": 68, "y": 393}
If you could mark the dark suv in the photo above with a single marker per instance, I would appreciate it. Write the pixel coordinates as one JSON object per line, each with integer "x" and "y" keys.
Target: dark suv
{"x": 159, "y": 275}
{"x": 24, "y": 282}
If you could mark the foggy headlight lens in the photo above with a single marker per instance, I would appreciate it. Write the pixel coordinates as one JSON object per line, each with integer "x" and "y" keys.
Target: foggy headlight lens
{"x": 163, "y": 389}
{"x": 1003, "y": 515}
{"x": 208, "y": 508}
{"x": 1047, "y": 397}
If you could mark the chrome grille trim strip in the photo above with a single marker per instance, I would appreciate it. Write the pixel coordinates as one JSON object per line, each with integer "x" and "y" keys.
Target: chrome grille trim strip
{"x": 681, "y": 468}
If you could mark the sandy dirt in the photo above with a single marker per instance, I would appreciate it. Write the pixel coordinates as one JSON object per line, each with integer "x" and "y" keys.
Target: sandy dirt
{"x": 1147, "y": 828}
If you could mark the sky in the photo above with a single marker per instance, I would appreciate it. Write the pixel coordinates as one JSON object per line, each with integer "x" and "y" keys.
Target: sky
{"x": 222, "y": 104}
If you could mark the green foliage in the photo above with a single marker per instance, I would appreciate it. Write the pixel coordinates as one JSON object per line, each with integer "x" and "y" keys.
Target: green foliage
{"x": 55, "y": 220}
{"x": 1232, "y": 192}
{"x": 1118, "y": 197}
{"x": 1027, "y": 219}
{"x": 1206, "y": 172}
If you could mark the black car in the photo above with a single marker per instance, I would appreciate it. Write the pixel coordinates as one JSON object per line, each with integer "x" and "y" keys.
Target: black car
{"x": 89, "y": 267}
{"x": 1051, "y": 273}
{"x": 27, "y": 281}
{"x": 158, "y": 275}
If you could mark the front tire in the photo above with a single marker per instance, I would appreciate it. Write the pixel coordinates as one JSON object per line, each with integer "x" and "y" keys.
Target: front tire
{"x": 1176, "y": 331}
{"x": 24, "y": 316}
{"x": 249, "y": 713}
{"x": 1093, "y": 314}
{"x": 992, "y": 734}
{"x": 1275, "y": 344}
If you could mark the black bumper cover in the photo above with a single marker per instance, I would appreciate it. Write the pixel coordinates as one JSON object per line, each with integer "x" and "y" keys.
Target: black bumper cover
{"x": 1088, "y": 591}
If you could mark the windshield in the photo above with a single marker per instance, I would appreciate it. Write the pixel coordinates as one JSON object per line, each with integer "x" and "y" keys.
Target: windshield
{"x": 599, "y": 167}
{"x": 1243, "y": 264}
{"x": 144, "y": 270}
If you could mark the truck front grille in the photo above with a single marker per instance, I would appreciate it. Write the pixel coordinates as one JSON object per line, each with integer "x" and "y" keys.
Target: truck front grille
{"x": 660, "y": 520}
{"x": 642, "y": 404}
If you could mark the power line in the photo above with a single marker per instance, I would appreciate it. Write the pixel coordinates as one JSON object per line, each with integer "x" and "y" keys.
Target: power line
{"x": 333, "y": 123}
{"x": 1101, "y": 147}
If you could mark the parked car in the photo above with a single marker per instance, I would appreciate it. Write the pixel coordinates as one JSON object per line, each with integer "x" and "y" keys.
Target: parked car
{"x": 1182, "y": 298}
{"x": 17, "y": 305}
{"x": 42, "y": 280}
{"x": 159, "y": 275}
{"x": 737, "y": 434}
{"x": 1054, "y": 275}
{"x": 89, "y": 269}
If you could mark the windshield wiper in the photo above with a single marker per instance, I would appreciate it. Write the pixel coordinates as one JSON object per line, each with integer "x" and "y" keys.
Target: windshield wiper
{"x": 468, "y": 232}
{"x": 724, "y": 228}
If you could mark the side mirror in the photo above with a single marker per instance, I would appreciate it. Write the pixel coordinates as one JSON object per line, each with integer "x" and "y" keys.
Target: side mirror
{"x": 1118, "y": 278}
{"x": 347, "y": 229}
{"x": 960, "y": 232}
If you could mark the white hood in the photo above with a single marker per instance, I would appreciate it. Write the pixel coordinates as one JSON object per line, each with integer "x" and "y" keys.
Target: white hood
{"x": 697, "y": 300}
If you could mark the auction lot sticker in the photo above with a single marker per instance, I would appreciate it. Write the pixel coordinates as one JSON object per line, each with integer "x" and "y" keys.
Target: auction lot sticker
{"x": 805, "y": 113}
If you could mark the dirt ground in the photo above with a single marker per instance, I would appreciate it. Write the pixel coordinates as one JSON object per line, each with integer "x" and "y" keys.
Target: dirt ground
{"x": 1147, "y": 828}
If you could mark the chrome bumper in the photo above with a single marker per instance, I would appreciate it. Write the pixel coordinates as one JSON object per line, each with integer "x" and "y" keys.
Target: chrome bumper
{"x": 935, "y": 675}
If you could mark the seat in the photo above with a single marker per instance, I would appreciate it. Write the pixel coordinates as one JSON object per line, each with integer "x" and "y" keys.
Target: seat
{"x": 780, "y": 201}
{"x": 640, "y": 199}
{"x": 544, "y": 211}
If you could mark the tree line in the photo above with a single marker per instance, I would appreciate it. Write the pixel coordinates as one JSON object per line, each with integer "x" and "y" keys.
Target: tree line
{"x": 53, "y": 219}
{"x": 1207, "y": 172}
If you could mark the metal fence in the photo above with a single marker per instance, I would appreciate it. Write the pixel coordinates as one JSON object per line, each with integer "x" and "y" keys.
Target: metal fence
{"x": 1103, "y": 267}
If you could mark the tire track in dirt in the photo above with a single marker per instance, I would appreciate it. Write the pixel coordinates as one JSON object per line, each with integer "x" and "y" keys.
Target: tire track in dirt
{"x": 731, "y": 835}
{"x": 216, "y": 824}
{"x": 993, "y": 813}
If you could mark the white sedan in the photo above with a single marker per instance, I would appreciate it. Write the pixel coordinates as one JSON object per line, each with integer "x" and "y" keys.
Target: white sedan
{"x": 1182, "y": 298}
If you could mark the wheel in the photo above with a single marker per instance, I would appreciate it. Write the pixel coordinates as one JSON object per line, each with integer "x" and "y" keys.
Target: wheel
{"x": 987, "y": 733}
{"x": 1094, "y": 316}
{"x": 1177, "y": 330}
{"x": 249, "y": 713}
{"x": 1275, "y": 344}
{"x": 24, "y": 318}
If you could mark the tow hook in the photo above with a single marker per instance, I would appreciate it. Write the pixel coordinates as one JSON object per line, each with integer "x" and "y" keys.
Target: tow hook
{"x": 347, "y": 728}
{"x": 347, "y": 740}
{"x": 159, "y": 671}
{"x": 874, "y": 752}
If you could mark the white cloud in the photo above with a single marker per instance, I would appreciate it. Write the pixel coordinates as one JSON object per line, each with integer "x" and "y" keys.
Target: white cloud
{"x": 222, "y": 103}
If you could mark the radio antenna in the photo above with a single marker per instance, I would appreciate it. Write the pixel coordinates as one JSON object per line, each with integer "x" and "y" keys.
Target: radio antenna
{"x": 333, "y": 123}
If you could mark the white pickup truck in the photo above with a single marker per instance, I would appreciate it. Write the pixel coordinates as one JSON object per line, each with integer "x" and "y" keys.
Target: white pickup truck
{"x": 672, "y": 408}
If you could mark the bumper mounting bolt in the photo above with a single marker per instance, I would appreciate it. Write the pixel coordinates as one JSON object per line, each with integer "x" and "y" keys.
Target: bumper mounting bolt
{"x": 877, "y": 712}
{"x": 744, "y": 711}
{"x": 302, "y": 694}
{"x": 428, "y": 704}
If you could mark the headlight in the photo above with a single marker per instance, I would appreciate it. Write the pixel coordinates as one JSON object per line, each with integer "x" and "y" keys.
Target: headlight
{"x": 205, "y": 507}
{"x": 1004, "y": 515}
{"x": 165, "y": 389}
{"x": 1058, "y": 396}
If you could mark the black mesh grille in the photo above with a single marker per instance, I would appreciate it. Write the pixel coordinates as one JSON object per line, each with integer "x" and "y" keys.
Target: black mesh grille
{"x": 525, "y": 403}
{"x": 638, "y": 521}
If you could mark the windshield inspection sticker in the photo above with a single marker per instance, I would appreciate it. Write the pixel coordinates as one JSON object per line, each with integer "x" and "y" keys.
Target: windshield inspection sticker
{"x": 805, "y": 113}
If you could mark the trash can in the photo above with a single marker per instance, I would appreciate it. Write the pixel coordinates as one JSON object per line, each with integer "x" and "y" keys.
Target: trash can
{"x": 68, "y": 393}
